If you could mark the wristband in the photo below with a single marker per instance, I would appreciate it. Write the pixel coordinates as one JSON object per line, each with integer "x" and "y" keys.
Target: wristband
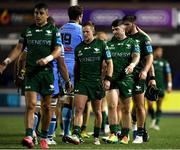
{"x": 169, "y": 84}
{"x": 49, "y": 58}
{"x": 108, "y": 78}
{"x": 132, "y": 64}
{"x": 7, "y": 61}
{"x": 152, "y": 78}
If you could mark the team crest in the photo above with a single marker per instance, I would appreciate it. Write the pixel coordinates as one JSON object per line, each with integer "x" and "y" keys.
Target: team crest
{"x": 80, "y": 53}
{"x": 128, "y": 46}
{"x": 97, "y": 50}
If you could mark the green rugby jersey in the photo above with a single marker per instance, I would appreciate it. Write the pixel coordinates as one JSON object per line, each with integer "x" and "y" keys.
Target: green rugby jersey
{"x": 89, "y": 58}
{"x": 121, "y": 51}
{"x": 39, "y": 42}
{"x": 161, "y": 68}
{"x": 145, "y": 48}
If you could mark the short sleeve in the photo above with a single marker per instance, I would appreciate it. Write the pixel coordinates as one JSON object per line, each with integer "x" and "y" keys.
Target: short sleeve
{"x": 57, "y": 39}
{"x": 136, "y": 47}
{"x": 167, "y": 67}
{"x": 147, "y": 46}
{"x": 106, "y": 51}
{"x": 23, "y": 39}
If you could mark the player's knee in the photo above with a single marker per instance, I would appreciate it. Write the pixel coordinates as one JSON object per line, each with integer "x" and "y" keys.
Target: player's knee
{"x": 97, "y": 113}
{"x": 79, "y": 110}
{"x": 126, "y": 110}
{"x": 140, "y": 109}
{"x": 31, "y": 106}
{"x": 46, "y": 107}
{"x": 112, "y": 106}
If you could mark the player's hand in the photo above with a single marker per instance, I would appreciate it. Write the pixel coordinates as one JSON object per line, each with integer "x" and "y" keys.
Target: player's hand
{"x": 69, "y": 87}
{"x": 2, "y": 68}
{"x": 42, "y": 62}
{"x": 106, "y": 84}
{"x": 169, "y": 87}
{"x": 129, "y": 69}
{"x": 143, "y": 75}
{"x": 152, "y": 83}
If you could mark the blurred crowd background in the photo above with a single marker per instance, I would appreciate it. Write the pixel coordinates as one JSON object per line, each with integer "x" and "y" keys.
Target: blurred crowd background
{"x": 159, "y": 18}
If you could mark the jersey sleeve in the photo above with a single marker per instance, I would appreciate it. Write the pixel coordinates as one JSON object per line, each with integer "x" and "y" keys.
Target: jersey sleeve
{"x": 81, "y": 34}
{"x": 167, "y": 67}
{"x": 23, "y": 39}
{"x": 147, "y": 46}
{"x": 136, "y": 47}
{"x": 57, "y": 38}
{"x": 106, "y": 51}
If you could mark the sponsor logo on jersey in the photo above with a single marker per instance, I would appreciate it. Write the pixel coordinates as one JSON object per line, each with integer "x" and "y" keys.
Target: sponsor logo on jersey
{"x": 76, "y": 90}
{"x": 80, "y": 53}
{"x": 58, "y": 34}
{"x": 87, "y": 48}
{"x": 161, "y": 63}
{"x": 27, "y": 87}
{"x": 148, "y": 43}
{"x": 137, "y": 41}
{"x": 111, "y": 47}
{"x": 89, "y": 59}
{"x": 108, "y": 54}
{"x": 38, "y": 30}
{"x": 51, "y": 87}
{"x": 96, "y": 50}
{"x": 28, "y": 34}
{"x": 129, "y": 91}
{"x": 120, "y": 54}
{"x": 39, "y": 42}
{"x": 149, "y": 48}
{"x": 138, "y": 87}
{"x": 48, "y": 33}
{"x": 128, "y": 46}
{"x": 120, "y": 44}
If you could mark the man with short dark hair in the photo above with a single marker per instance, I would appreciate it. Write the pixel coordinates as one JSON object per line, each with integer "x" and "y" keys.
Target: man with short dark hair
{"x": 43, "y": 44}
{"x": 140, "y": 74}
{"x": 125, "y": 56}
{"x": 71, "y": 34}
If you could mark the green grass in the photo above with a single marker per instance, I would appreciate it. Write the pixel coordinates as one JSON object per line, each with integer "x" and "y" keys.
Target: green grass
{"x": 12, "y": 132}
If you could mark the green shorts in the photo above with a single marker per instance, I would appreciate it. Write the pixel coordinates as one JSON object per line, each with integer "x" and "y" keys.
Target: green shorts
{"x": 41, "y": 82}
{"x": 139, "y": 86}
{"x": 124, "y": 85}
{"x": 94, "y": 91}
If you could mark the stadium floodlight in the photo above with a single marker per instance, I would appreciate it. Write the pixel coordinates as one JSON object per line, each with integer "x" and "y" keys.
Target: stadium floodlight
{"x": 73, "y": 2}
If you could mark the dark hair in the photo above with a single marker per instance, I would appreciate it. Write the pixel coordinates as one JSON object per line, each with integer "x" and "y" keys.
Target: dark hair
{"x": 130, "y": 18}
{"x": 74, "y": 12}
{"x": 40, "y": 6}
{"x": 117, "y": 22}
